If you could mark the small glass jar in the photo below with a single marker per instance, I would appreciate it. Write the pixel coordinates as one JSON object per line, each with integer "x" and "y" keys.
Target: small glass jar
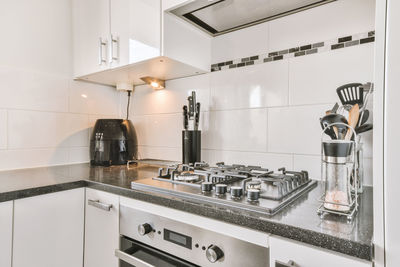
{"x": 336, "y": 172}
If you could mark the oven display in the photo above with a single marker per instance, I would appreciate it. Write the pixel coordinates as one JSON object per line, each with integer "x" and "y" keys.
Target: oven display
{"x": 179, "y": 239}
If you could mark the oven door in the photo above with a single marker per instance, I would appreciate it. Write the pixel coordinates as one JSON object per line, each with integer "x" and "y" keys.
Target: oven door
{"x": 134, "y": 253}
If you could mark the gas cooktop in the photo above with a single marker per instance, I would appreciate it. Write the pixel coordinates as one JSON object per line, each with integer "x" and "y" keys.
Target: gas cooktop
{"x": 251, "y": 188}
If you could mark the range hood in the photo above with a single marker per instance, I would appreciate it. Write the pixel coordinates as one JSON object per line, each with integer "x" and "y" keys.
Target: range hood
{"x": 222, "y": 16}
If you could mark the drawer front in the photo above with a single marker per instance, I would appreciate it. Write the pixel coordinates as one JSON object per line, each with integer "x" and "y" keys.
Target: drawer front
{"x": 101, "y": 228}
{"x": 290, "y": 253}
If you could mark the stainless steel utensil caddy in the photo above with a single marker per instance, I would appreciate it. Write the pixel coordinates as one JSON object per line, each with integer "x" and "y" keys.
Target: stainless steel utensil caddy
{"x": 340, "y": 195}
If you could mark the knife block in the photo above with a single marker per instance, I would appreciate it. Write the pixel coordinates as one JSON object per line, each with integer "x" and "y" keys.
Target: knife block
{"x": 191, "y": 146}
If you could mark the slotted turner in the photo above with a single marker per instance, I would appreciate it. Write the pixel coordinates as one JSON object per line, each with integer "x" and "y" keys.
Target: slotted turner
{"x": 351, "y": 94}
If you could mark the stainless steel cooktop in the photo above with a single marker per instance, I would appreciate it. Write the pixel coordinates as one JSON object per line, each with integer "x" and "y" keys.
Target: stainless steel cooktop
{"x": 251, "y": 188}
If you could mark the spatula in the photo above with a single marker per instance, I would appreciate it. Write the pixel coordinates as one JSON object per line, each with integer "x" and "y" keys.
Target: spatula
{"x": 354, "y": 115}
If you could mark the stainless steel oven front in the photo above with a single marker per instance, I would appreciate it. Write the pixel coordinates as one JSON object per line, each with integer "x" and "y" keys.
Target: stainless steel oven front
{"x": 149, "y": 240}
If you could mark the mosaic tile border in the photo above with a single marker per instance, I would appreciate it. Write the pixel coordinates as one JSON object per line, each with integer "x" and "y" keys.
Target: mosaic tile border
{"x": 337, "y": 43}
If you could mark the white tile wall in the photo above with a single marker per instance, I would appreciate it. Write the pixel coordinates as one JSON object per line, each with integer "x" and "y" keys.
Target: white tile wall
{"x": 266, "y": 114}
{"x": 45, "y": 116}
{"x": 336, "y": 19}
{"x": 3, "y": 129}
{"x": 262, "y": 85}
{"x": 313, "y": 78}
{"x": 243, "y": 43}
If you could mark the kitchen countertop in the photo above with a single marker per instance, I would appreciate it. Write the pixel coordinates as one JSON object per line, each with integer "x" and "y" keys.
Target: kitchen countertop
{"x": 299, "y": 221}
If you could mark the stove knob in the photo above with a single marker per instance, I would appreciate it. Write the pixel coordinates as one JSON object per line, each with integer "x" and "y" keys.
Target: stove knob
{"x": 220, "y": 189}
{"x": 236, "y": 191}
{"x": 206, "y": 187}
{"x": 214, "y": 253}
{"x": 144, "y": 229}
{"x": 253, "y": 194}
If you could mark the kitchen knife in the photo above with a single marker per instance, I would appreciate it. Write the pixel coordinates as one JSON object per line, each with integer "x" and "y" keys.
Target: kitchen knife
{"x": 197, "y": 119}
{"x": 191, "y": 106}
{"x": 185, "y": 117}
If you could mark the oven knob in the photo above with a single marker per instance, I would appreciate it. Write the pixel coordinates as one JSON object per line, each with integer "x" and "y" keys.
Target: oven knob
{"x": 220, "y": 189}
{"x": 253, "y": 195}
{"x": 236, "y": 191}
{"x": 206, "y": 187}
{"x": 144, "y": 229}
{"x": 214, "y": 253}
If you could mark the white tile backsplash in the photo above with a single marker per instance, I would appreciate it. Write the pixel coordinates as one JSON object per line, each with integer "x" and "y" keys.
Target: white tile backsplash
{"x": 295, "y": 129}
{"x": 23, "y": 89}
{"x": 310, "y": 163}
{"x": 262, "y": 85}
{"x": 30, "y": 157}
{"x": 337, "y": 19}
{"x": 44, "y": 114}
{"x": 313, "y": 79}
{"x": 242, "y": 43}
{"x": 3, "y": 129}
{"x": 90, "y": 98}
{"x": 241, "y": 130}
{"x": 149, "y": 101}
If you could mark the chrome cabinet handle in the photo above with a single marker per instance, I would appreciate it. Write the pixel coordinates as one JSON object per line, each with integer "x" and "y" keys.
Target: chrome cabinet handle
{"x": 131, "y": 259}
{"x": 99, "y": 205}
{"x": 101, "y": 44}
{"x": 113, "y": 41}
{"x": 288, "y": 264}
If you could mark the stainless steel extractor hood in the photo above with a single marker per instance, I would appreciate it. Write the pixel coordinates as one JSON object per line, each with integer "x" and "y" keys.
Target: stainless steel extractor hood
{"x": 217, "y": 17}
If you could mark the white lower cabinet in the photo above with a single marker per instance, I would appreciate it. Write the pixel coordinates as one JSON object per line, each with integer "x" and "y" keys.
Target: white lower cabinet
{"x": 48, "y": 230}
{"x": 285, "y": 252}
{"x": 6, "y": 225}
{"x": 101, "y": 228}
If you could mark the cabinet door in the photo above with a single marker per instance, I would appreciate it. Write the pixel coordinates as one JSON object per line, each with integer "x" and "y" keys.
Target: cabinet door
{"x": 282, "y": 251}
{"x": 136, "y": 31}
{"x": 6, "y": 218}
{"x": 91, "y": 32}
{"x": 48, "y": 230}
{"x": 101, "y": 229}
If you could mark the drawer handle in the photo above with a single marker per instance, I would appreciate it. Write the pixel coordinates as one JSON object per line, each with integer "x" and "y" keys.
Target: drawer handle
{"x": 288, "y": 264}
{"x": 99, "y": 205}
{"x": 131, "y": 259}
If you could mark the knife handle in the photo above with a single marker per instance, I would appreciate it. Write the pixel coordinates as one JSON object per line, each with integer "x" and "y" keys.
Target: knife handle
{"x": 185, "y": 117}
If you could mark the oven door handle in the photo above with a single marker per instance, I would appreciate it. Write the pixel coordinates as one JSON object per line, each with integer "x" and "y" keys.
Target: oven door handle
{"x": 131, "y": 259}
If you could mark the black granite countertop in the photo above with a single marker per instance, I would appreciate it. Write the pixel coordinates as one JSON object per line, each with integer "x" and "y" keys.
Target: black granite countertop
{"x": 299, "y": 221}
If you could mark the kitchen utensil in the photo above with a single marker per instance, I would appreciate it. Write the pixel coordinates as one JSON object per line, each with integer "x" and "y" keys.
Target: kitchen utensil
{"x": 185, "y": 117}
{"x": 354, "y": 115}
{"x": 364, "y": 128}
{"x": 352, "y": 93}
{"x": 336, "y": 131}
{"x": 333, "y": 110}
{"x": 197, "y": 117}
{"x": 363, "y": 117}
{"x": 370, "y": 88}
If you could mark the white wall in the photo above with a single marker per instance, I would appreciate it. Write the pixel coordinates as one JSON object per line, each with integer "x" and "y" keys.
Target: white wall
{"x": 265, "y": 114}
{"x": 44, "y": 115}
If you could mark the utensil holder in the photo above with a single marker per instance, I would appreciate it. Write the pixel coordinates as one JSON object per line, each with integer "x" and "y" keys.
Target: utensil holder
{"x": 338, "y": 165}
{"x": 191, "y": 146}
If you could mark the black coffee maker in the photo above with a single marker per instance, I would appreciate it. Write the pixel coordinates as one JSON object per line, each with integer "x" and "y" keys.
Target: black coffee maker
{"x": 113, "y": 142}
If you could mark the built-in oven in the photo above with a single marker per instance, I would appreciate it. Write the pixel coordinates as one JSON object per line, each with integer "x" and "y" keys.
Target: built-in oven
{"x": 148, "y": 239}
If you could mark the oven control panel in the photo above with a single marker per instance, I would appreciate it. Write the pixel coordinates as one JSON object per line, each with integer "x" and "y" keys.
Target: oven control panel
{"x": 188, "y": 242}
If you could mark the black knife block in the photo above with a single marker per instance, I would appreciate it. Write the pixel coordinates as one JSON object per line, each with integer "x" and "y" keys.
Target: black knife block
{"x": 191, "y": 146}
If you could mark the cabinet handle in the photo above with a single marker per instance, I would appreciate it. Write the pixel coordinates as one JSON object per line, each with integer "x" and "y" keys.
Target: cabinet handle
{"x": 288, "y": 264}
{"x": 101, "y": 44}
{"x": 99, "y": 205}
{"x": 113, "y": 41}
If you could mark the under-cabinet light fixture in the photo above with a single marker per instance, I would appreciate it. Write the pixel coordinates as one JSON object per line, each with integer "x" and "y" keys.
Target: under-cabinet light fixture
{"x": 154, "y": 82}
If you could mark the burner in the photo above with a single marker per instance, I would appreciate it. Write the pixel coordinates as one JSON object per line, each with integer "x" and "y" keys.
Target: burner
{"x": 187, "y": 177}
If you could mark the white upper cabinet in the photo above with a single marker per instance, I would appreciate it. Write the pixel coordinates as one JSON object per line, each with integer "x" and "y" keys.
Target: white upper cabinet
{"x": 91, "y": 35}
{"x": 121, "y": 41}
{"x": 136, "y": 32}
